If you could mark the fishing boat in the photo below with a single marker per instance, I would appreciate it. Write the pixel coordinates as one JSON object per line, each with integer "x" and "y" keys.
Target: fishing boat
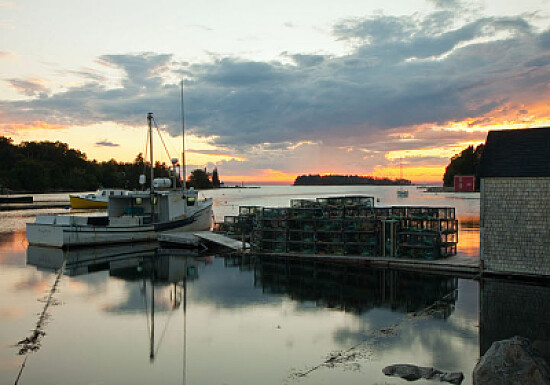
{"x": 97, "y": 200}
{"x": 133, "y": 216}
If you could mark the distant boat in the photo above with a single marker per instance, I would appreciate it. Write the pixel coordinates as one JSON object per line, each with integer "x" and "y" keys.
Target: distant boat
{"x": 97, "y": 200}
{"x": 402, "y": 193}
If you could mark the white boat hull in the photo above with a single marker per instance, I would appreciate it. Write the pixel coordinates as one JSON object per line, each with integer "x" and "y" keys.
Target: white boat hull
{"x": 73, "y": 234}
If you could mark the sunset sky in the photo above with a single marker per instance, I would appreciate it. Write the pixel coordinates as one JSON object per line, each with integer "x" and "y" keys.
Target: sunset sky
{"x": 276, "y": 89}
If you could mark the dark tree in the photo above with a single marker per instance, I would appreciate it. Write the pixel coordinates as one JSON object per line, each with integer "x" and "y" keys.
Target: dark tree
{"x": 342, "y": 180}
{"x": 53, "y": 166}
{"x": 215, "y": 178}
{"x": 464, "y": 164}
{"x": 199, "y": 179}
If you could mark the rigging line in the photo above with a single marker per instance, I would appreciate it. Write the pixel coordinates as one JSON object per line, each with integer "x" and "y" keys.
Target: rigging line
{"x": 164, "y": 331}
{"x": 185, "y": 325}
{"x": 168, "y": 142}
{"x": 145, "y": 156}
{"x": 161, "y": 138}
{"x": 145, "y": 301}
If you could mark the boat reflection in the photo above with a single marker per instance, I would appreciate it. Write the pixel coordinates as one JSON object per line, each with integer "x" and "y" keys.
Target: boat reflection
{"x": 148, "y": 264}
{"x": 128, "y": 262}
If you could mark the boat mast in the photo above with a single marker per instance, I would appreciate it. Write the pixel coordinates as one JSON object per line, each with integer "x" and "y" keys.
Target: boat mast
{"x": 149, "y": 122}
{"x": 183, "y": 171}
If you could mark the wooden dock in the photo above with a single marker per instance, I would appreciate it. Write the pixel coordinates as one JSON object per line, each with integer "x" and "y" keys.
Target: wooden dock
{"x": 193, "y": 239}
{"x": 460, "y": 266}
{"x": 181, "y": 239}
{"x": 221, "y": 240}
{"x": 34, "y": 206}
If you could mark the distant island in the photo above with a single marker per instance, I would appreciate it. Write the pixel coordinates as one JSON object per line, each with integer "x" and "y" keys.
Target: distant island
{"x": 344, "y": 180}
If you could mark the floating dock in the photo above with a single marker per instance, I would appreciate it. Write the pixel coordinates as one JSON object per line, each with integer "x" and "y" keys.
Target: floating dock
{"x": 193, "y": 239}
{"x": 34, "y": 205}
{"x": 459, "y": 266}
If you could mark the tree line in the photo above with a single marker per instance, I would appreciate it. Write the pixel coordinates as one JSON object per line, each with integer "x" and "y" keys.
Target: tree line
{"x": 465, "y": 163}
{"x": 342, "y": 180}
{"x": 53, "y": 166}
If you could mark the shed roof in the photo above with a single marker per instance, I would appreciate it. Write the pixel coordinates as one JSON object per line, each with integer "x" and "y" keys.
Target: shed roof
{"x": 516, "y": 153}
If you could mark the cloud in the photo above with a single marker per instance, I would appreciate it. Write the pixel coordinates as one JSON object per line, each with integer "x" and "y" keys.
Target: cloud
{"x": 544, "y": 40}
{"x": 401, "y": 73}
{"x": 106, "y": 143}
{"x": 445, "y": 4}
{"x": 7, "y": 54}
{"x": 29, "y": 87}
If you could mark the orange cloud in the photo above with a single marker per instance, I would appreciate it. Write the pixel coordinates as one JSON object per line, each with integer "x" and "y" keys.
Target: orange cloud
{"x": 428, "y": 174}
{"x": 35, "y": 125}
{"x": 436, "y": 152}
{"x": 265, "y": 176}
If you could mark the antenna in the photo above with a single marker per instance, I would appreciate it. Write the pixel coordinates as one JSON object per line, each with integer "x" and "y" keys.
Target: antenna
{"x": 151, "y": 192}
{"x": 183, "y": 171}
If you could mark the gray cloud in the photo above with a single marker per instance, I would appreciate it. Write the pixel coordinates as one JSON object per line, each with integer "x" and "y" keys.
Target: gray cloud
{"x": 27, "y": 87}
{"x": 106, "y": 143}
{"x": 446, "y": 3}
{"x": 404, "y": 71}
{"x": 544, "y": 39}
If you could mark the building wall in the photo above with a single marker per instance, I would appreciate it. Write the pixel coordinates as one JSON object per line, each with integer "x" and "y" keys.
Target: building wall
{"x": 515, "y": 225}
{"x": 464, "y": 182}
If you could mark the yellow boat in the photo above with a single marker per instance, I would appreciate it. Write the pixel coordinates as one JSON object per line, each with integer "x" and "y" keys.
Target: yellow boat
{"x": 97, "y": 200}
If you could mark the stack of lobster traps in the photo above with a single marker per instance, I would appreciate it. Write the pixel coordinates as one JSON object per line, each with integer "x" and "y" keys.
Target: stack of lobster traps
{"x": 346, "y": 226}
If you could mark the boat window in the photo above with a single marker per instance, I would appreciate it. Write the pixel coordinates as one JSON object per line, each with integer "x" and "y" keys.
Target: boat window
{"x": 112, "y": 193}
{"x": 190, "y": 201}
{"x": 103, "y": 193}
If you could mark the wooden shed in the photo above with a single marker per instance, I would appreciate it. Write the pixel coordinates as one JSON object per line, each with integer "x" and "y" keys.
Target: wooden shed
{"x": 515, "y": 202}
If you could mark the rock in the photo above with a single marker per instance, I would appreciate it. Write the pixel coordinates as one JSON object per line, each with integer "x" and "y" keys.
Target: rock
{"x": 405, "y": 371}
{"x": 452, "y": 377}
{"x": 412, "y": 373}
{"x": 510, "y": 362}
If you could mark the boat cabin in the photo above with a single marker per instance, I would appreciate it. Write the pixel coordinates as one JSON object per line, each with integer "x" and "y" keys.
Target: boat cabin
{"x": 163, "y": 206}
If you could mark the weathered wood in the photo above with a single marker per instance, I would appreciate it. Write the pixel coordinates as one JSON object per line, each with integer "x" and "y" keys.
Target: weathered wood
{"x": 184, "y": 239}
{"x": 221, "y": 240}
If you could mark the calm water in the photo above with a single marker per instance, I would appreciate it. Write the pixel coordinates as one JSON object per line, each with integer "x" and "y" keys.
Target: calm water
{"x": 142, "y": 315}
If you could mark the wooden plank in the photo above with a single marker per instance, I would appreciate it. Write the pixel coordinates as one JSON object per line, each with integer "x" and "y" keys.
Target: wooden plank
{"x": 458, "y": 265}
{"x": 221, "y": 240}
{"x": 187, "y": 239}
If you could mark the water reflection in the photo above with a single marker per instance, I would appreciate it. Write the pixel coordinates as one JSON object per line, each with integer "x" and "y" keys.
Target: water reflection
{"x": 147, "y": 264}
{"x": 355, "y": 288}
{"x": 511, "y": 308}
{"x": 468, "y": 236}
